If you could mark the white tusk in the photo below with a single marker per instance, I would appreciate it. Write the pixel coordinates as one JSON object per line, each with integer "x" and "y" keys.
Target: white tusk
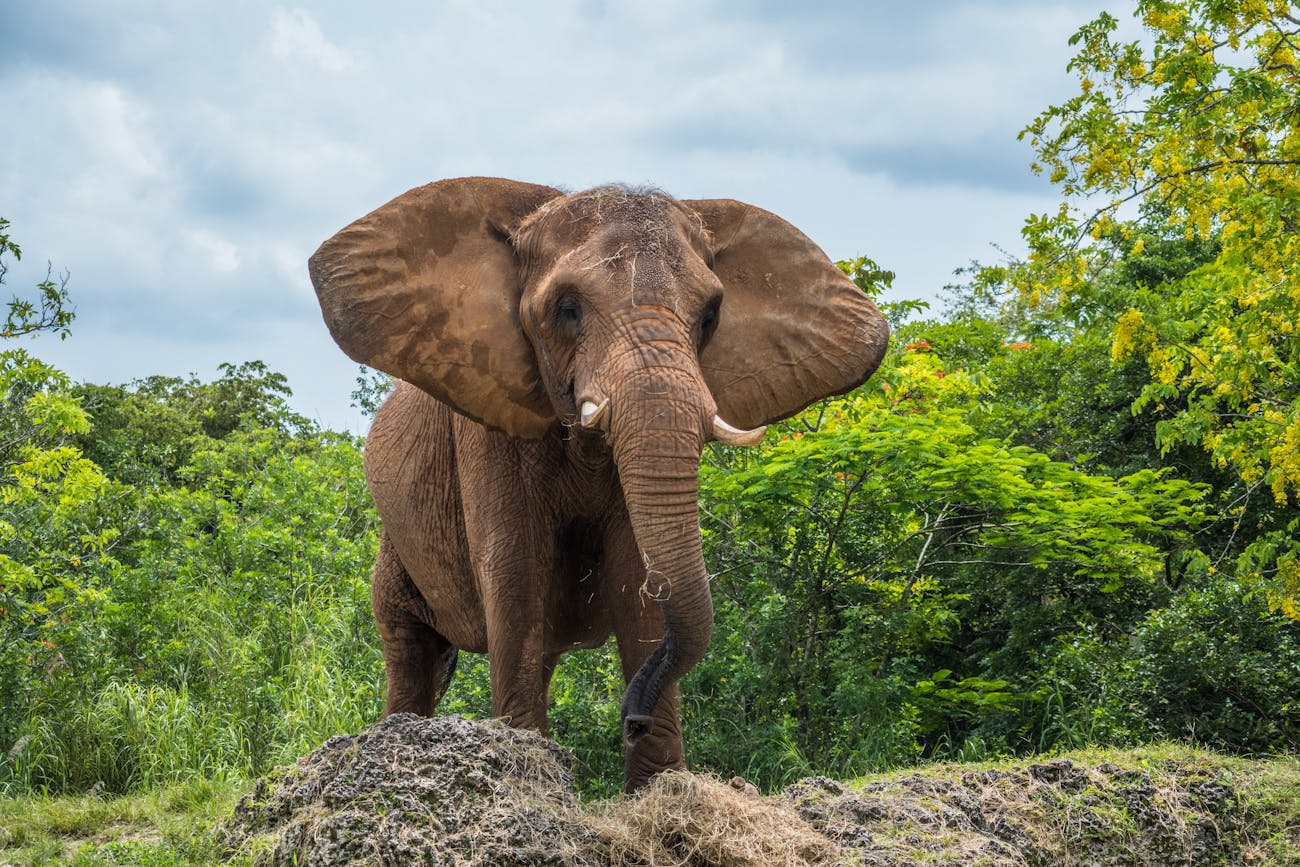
{"x": 733, "y": 436}
{"x": 592, "y": 414}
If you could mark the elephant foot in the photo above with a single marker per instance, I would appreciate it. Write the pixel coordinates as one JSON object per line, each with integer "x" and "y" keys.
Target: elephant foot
{"x": 636, "y": 726}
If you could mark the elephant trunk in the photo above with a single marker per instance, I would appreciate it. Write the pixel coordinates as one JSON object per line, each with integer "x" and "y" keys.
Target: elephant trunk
{"x": 657, "y": 432}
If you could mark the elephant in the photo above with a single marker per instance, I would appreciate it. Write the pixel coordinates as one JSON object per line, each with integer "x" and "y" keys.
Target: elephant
{"x": 561, "y": 361}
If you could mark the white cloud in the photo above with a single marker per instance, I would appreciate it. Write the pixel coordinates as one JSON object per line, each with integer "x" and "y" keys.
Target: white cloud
{"x": 118, "y": 130}
{"x": 295, "y": 35}
{"x": 222, "y": 255}
{"x": 290, "y": 264}
{"x": 183, "y": 164}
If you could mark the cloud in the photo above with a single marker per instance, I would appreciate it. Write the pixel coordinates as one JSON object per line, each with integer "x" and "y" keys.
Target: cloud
{"x": 222, "y": 255}
{"x": 295, "y": 36}
{"x": 183, "y": 160}
{"x": 116, "y": 131}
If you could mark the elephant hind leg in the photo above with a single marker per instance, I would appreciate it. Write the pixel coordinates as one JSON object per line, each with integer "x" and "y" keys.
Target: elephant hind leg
{"x": 418, "y": 660}
{"x": 419, "y": 664}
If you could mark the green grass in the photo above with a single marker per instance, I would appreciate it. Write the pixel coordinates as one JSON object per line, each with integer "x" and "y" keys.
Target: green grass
{"x": 1271, "y": 791}
{"x": 237, "y": 722}
{"x": 170, "y": 826}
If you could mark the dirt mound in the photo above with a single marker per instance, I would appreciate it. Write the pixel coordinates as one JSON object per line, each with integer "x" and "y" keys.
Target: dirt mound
{"x": 417, "y": 791}
{"x": 1057, "y": 813}
{"x": 451, "y": 791}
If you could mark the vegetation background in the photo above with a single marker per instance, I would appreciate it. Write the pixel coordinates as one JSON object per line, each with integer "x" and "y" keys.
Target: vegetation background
{"x": 1063, "y": 513}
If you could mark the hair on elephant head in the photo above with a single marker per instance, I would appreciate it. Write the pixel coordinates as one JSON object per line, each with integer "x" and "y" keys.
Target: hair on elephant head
{"x": 565, "y": 360}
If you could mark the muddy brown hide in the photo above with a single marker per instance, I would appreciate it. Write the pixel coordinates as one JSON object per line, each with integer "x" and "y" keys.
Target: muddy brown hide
{"x": 563, "y": 361}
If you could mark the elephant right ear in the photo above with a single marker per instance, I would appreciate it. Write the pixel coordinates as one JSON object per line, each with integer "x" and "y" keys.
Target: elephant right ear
{"x": 426, "y": 288}
{"x": 792, "y": 328}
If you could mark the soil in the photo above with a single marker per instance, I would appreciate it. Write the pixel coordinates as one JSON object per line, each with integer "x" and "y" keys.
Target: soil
{"x": 450, "y": 791}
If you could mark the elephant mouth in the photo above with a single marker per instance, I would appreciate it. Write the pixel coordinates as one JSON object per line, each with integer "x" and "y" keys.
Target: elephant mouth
{"x": 569, "y": 402}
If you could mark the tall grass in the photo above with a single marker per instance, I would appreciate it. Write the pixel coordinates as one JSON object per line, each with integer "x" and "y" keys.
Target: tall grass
{"x": 130, "y": 735}
{"x": 230, "y": 633}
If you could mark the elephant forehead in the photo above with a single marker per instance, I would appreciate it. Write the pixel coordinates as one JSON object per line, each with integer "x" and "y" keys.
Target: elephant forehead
{"x": 656, "y": 276}
{"x": 636, "y": 258}
{"x": 606, "y": 225}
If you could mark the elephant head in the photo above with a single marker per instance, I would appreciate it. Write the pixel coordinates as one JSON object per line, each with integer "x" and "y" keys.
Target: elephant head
{"x": 664, "y": 324}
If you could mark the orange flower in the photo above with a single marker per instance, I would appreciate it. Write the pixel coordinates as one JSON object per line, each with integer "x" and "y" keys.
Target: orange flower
{"x": 918, "y": 346}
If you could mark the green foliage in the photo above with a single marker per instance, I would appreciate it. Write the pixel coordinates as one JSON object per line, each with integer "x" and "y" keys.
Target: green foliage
{"x": 586, "y": 695}
{"x": 210, "y": 615}
{"x": 1197, "y": 123}
{"x": 147, "y": 431}
{"x": 1215, "y": 667}
{"x": 51, "y": 311}
{"x": 893, "y": 577}
{"x": 372, "y": 388}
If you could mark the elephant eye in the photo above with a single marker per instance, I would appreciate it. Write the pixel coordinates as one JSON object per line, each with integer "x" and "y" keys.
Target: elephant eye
{"x": 568, "y": 313}
{"x": 709, "y": 321}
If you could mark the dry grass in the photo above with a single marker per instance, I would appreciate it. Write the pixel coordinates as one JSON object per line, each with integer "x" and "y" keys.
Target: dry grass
{"x": 688, "y": 820}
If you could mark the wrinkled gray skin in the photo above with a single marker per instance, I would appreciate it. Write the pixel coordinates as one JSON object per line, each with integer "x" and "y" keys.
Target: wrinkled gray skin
{"x": 546, "y": 519}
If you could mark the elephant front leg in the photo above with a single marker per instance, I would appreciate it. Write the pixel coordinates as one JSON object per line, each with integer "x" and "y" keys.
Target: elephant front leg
{"x": 519, "y": 666}
{"x": 511, "y": 536}
{"x": 511, "y": 568}
{"x": 661, "y": 749}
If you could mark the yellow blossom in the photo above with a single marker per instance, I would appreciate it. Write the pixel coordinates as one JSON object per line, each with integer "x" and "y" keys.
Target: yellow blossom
{"x": 1126, "y": 331}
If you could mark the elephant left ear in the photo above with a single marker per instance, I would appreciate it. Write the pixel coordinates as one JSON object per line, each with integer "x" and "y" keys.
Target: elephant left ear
{"x": 426, "y": 288}
{"x": 792, "y": 328}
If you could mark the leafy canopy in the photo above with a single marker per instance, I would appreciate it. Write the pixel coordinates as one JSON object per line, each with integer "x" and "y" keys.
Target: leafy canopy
{"x": 1195, "y": 124}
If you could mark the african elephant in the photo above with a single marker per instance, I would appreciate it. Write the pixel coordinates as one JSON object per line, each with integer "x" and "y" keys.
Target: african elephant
{"x": 563, "y": 361}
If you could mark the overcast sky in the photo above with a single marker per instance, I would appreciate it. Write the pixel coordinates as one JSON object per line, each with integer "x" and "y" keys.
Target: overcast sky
{"x": 182, "y": 160}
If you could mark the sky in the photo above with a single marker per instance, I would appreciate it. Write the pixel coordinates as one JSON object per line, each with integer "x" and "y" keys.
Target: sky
{"x": 181, "y": 161}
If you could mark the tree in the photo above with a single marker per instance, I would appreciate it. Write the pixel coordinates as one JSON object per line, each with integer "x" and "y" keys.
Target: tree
{"x": 372, "y": 389}
{"x": 146, "y": 431}
{"x": 1196, "y": 124}
{"x": 52, "y": 311}
{"x": 891, "y": 579}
